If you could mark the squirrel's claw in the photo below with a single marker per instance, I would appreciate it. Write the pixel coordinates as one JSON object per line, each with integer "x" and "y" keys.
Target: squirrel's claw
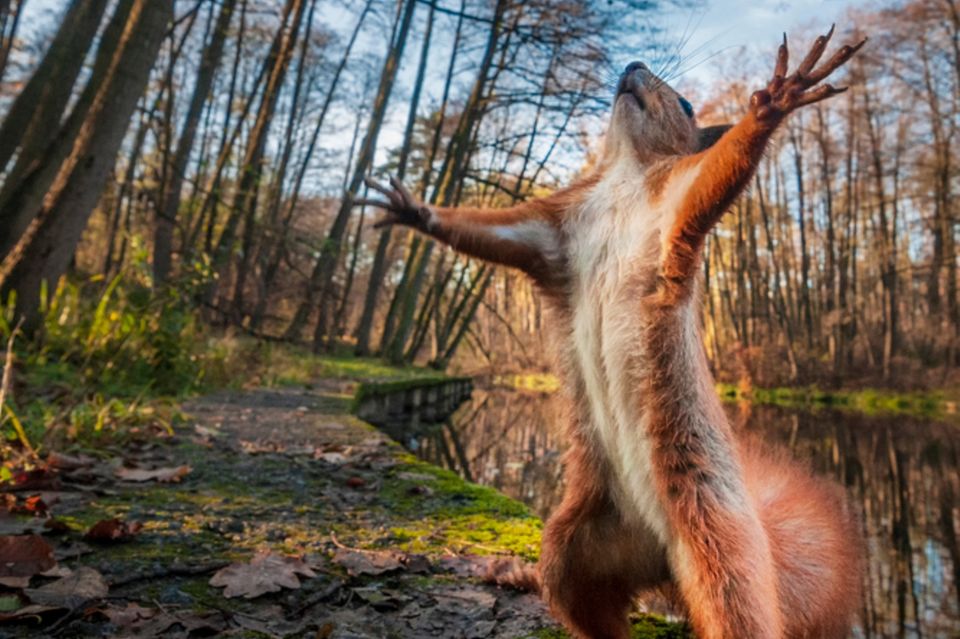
{"x": 783, "y": 60}
{"x": 785, "y": 92}
{"x": 816, "y": 52}
{"x": 839, "y": 59}
{"x": 380, "y": 204}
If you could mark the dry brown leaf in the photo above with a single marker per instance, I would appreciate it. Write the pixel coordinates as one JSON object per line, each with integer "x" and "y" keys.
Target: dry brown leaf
{"x": 111, "y": 530}
{"x": 163, "y": 475}
{"x": 266, "y": 572}
{"x": 367, "y": 562}
{"x": 25, "y": 555}
{"x": 15, "y": 582}
{"x": 130, "y": 616}
{"x": 69, "y": 462}
{"x": 82, "y": 585}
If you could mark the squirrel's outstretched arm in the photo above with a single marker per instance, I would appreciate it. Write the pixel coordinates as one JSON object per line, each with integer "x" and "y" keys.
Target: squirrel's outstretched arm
{"x": 525, "y": 236}
{"x": 721, "y": 172}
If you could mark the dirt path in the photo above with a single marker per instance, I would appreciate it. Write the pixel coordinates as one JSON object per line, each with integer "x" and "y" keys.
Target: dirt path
{"x": 286, "y": 490}
{"x": 383, "y": 535}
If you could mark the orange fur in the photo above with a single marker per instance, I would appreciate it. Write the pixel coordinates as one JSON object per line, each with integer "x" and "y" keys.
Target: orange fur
{"x": 660, "y": 492}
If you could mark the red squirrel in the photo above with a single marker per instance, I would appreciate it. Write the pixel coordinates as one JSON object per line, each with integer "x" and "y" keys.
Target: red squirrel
{"x": 659, "y": 491}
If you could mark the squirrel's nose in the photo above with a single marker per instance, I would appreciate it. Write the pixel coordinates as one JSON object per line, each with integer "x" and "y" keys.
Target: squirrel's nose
{"x": 633, "y": 66}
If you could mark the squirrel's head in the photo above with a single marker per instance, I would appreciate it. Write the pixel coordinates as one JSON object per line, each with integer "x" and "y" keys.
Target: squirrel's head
{"x": 651, "y": 120}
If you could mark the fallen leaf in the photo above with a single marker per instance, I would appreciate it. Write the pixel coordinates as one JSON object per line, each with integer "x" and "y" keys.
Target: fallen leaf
{"x": 382, "y": 599}
{"x": 25, "y": 555}
{"x": 130, "y": 617}
{"x": 266, "y": 572}
{"x": 72, "y": 591}
{"x": 336, "y": 459}
{"x": 69, "y": 462}
{"x": 466, "y": 565}
{"x": 205, "y": 432}
{"x": 259, "y": 447}
{"x": 163, "y": 475}
{"x": 57, "y": 571}
{"x": 15, "y": 582}
{"x": 32, "y": 505}
{"x": 111, "y": 530}
{"x": 419, "y": 564}
{"x": 367, "y": 562}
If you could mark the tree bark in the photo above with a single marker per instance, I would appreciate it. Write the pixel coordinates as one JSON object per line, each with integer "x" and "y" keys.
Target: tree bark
{"x": 245, "y": 200}
{"x": 379, "y": 268}
{"x": 272, "y": 264}
{"x": 31, "y": 123}
{"x": 170, "y": 200}
{"x": 45, "y": 250}
{"x": 321, "y": 279}
{"x": 37, "y": 167}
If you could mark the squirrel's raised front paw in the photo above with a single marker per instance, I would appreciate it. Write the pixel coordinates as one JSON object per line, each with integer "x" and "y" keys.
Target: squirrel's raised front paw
{"x": 401, "y": 206}
{"x": 786, "y": 93}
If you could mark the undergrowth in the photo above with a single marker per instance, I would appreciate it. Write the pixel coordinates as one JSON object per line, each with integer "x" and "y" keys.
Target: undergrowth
{"x": 110, "y": 360}
{"x": 114, "y": 358}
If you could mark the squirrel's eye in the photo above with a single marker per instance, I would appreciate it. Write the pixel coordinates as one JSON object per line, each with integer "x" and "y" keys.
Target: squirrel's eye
{"x": 687, "y": 107}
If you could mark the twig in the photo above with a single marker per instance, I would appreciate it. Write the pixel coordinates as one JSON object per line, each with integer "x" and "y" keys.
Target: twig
{"x": 5, "y": 388}
{"x": 172, "y": 571}
{"x": 332, "y": 588}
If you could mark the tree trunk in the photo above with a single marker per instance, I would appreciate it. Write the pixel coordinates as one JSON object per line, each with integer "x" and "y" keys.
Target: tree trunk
{"x": 251, "y": 170}
{"x": 379, "y": 268}
{"x": 45, "y": 250}
{"x": 272, "y": 264}
{"x": 170, "y": 200}
{"x": 33, "y": 118}
{"x": 451, "y": 175}
{"x": 321, "y": 279}
{"x": 49, "y": 143}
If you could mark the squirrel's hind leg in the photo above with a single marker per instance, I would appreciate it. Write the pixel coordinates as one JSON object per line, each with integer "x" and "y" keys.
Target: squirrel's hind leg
{"x": 592, "y": 564}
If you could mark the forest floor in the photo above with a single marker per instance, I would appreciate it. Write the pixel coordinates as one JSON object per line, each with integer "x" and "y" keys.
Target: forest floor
{"x": 267, "y": 513}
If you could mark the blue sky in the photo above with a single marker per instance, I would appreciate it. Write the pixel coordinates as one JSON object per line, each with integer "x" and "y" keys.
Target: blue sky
{"x": 718, "y": 28}
{"x": 725, "y": 25}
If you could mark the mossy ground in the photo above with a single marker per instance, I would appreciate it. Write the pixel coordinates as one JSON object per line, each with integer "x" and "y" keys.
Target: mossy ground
{"x": 868, "y": 401}
{"x": 291, "y": 470}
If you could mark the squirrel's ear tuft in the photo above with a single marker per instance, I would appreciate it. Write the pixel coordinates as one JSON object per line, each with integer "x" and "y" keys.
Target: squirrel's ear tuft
{"x": 709, "y": 135}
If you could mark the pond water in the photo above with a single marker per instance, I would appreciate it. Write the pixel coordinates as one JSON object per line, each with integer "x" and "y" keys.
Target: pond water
{"x": 902, "y": 472}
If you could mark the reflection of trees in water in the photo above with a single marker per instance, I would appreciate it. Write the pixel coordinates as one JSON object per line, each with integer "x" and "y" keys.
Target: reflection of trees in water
{"x": 903, "y": 474}
{"x": 505, "y": 439}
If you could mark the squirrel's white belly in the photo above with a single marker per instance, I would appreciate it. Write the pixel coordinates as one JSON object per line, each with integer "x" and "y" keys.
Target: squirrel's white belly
{"x": 610, "y": 253}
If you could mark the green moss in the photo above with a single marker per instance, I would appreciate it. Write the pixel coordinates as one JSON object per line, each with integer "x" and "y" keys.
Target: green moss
{"x": 656, "y": 627}
{"x": 868, "y": 401}
{"x": 548, "y": 633}
{"x": 644, "y": 626}
{"x": 432, "y": 510}
{"x": 288, "y": 365}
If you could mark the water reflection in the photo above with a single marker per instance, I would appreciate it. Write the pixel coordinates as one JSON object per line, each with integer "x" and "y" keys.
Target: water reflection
{"x": 902, "y": 472}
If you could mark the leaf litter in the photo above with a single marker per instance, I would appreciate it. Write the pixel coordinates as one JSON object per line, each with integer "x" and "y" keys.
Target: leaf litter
{"x": 323, "y": 588}
{"x": 266, "y": 572}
